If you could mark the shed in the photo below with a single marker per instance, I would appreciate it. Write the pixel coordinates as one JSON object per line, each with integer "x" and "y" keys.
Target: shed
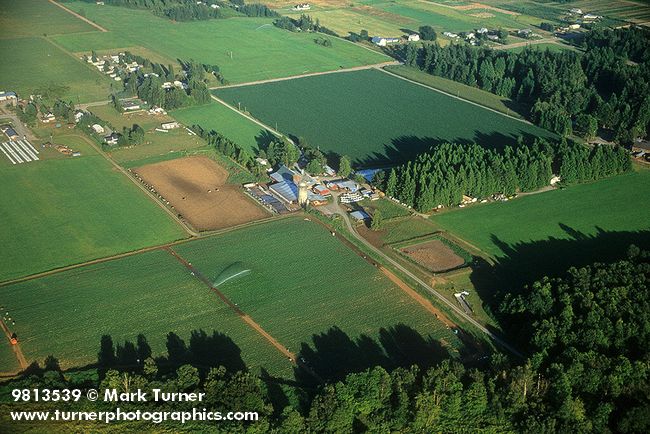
{"x": 360, "y": 215}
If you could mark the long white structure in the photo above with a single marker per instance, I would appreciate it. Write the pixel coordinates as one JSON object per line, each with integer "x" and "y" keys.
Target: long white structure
{"x": 20, "y": 151}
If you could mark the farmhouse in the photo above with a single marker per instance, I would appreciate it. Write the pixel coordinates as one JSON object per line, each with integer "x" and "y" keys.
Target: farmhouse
{"x": 98, "y": 128}
{"x": 450, "y": 34}
{"x": 4, "y": 96}
{"x": 414, "y": 37}
{"x": 48, "y": 118}
{"x": 9, "y": 132}
{"x": 112, "y": 138}
{"x": 302, "y": 7}
{"x": 170, "y": 125}
{"x": 574, "y": 26}
{"x": 382, "y": 42}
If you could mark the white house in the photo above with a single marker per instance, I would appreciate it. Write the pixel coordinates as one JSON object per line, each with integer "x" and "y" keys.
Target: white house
{"x": 98, "y": 129}
{"x": 591, "y": 17}
{"x": 574, "y": 26}
{"x": 576, "y": 11}
{"x": 302, "y": 7}
{"x": 382, "y": 42}
{"x": 450, "y": 34}
{"x": 414, "y": 37}
{"x": 482, "y": 30}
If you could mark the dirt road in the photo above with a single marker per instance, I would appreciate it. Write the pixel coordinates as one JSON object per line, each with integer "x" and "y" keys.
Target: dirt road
{"x": 310, "y": 74}
{"x": 427, "y": 287}
{"x": 16, "y": 348}
{"x": 95, "y": 25}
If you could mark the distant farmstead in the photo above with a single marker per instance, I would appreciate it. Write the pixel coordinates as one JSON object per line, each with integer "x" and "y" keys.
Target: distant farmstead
{"x": 170, "y": 125}
{"x": 4, "y": 96}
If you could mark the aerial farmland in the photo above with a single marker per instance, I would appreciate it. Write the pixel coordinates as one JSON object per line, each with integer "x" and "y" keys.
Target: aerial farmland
{"x": 327, "y": 216}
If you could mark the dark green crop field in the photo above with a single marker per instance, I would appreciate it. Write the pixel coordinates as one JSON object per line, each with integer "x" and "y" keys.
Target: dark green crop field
{"x": 373, "y": 117}
{"x": 297, "y": 280}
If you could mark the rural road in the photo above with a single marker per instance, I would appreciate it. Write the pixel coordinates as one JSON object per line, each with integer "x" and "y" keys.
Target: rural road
{"x": 82, "y": 18}
{"x": 309, "y": 74}
{"x": 15, "y": 348}
{"x": 526, "y": 43}
{"x": 427, "y": 287}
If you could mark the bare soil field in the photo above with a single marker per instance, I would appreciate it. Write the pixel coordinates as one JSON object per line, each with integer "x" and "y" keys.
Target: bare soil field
{"x": 434, "y": 255}
{"x": 196, "y": 188}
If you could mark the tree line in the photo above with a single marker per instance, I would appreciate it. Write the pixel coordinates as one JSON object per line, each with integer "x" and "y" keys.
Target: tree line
{"x": 302, "y": 24}
{"x": 191, "y": 10}
{"x": 600, "y": 88}
{"x": 587, "y": 372}
{"x": 148, "y": 86}
{"x": 449, "y": 171}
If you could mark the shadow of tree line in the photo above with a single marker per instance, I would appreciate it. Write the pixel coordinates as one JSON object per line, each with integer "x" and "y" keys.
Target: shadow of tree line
{"x": 522, "y": 264}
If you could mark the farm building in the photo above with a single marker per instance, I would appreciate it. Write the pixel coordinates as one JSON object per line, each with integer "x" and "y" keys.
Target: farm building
{"x": 288, "y": 191}
{"x": 302, "y": 7}
{"x": 112, "y": 138}
{"x": 48, "y": 118}
{"x": 130, "y": 105}
{"x": 170, "y": 125}
{"x": 9, "y": 132}
{"x": 98, "y": 129}
{"x": 4, "y": 96}
{"x": 382, "y": 42}
{"x": 348, "y": 185}
{"x": 360, "y": 215}
{"x": 321, "y": 190}
{"x": 283, "y": 174}
{"x": 413, "y": 37}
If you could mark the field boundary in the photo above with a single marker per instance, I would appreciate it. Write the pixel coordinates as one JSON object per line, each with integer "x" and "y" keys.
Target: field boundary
{"x": 15, "y": 348}
{"x": 251, "y": 118}
{"x": 309, "y": 74}
{"x": 438, "y": 236}
{"x": 70, "y": 11}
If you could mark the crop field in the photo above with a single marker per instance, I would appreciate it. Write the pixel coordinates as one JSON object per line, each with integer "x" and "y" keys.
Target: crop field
{"x": 32, "y": 63}
{"x": 69, "y": 210}
{"x": 389, "y": 120}
{"x": 246, "y": 49}
{"x": 196, "y": 187}
{"x": 66, "y": 314}
{"x": 35, "y": 18}
{"x": 296, "y": 281}
{"x": 596, "y": 220}
{"x": 8, "y": 361}
{"x": 155, "y": 143}
{"x": 542, "y": 47}
{"x": 215, "y": 116}
{"x": 633, "y": 11}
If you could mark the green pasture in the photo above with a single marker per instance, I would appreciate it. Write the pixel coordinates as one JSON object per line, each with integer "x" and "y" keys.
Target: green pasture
{"x": 57, "y": 212}
{"x": 302, "y": 281}
{"x": 19, "y": 18}
{"x": 30, "y": 64}
{"x": 66, "y": 314}
{"x": 374, "y": 117}
{"x": 542, "y": 47}
{"x": 588, "y": 221}
{"x": 216, "y": 116}
{"x": 8, "y": 360}
{"x": 389, "y": 209}
{"x": 246, "y": 49}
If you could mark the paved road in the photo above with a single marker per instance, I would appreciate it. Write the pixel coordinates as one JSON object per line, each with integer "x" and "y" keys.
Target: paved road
{"x": 310, "y": 74}
{"x": 427, "y": 287}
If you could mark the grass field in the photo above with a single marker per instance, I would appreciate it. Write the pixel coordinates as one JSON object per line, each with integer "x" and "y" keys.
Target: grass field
{"x": 302, "y": 281}
{"x": 35, "y": 18}
{"x": 373, "y": 117}
{"x": 218, "y": 117}
{"x": 542, "y": 47}
{"x": 246, "y": 49}
{"x": 389, "y": 209}
{"x": 156, "y": 143}
{"x": 32, "y": 63}
{"x": 69, "y": 210}
{"x": 66, "y": 314}
{"x": 487, "y": 99}
{"x": 548, "y": 220}
{"x": 8, "y": 361}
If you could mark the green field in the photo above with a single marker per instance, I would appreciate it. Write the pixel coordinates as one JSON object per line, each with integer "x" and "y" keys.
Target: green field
{"x": 302, "y": 281}
{"x": 8, "y": 361}
{"x": 220, "y": 118}
{"x": 372, "y": 116}
{"x": 245, "y": 49}
{"x": 32, "y": 63}
{"x": 469, "y": 93}
{"x": 20, "y": 18}
{"x": 542, "y": 47}
{"x": 574, "y": 225}
{"x": 66, "y": 314}
{"x": 69, "y": 210}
